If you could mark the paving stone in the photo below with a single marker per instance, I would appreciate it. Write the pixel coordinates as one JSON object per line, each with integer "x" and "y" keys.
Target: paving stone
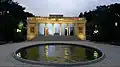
{"x": 112, "y": 53}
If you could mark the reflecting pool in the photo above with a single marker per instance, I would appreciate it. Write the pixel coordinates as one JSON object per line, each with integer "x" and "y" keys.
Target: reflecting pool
{"x": 58, "y": 53}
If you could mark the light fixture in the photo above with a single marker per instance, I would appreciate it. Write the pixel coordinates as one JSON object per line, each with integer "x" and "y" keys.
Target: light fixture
{"x": 61, "y": 19}
{"x": 18, "y": 30}
{"x": 95, "y": 31}
{"x": 116, "y": 24}
{"x": 53, "y": 19}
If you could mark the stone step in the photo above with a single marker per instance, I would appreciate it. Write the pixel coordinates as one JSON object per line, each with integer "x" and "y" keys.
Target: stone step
{"x": 56, "y": 38}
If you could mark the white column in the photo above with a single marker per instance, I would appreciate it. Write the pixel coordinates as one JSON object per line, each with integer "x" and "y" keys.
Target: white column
{"x": 69, "y": 30}
{"x": 60, "y": 29}
{"x": 53, "y": 29}
{"x": 69, "y": 26}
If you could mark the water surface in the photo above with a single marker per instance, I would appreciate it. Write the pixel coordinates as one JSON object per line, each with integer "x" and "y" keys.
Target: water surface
{"x": 59, "y": 53}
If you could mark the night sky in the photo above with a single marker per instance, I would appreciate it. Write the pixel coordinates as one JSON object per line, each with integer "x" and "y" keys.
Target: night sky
{"x": 65, "y": 7}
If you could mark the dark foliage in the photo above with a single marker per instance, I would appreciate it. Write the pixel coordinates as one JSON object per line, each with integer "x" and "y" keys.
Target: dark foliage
{"x": 104, "y": 17}
{"x": 11, "y": 14}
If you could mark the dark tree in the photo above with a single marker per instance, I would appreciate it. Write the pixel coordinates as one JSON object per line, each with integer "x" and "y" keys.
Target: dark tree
{"x": 81, "y": 14}
{"x": 11, "y": 14}
{"x": 106, "y": 19}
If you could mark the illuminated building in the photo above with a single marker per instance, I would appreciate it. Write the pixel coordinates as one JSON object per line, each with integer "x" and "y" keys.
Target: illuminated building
{"x": 56, "y": 25}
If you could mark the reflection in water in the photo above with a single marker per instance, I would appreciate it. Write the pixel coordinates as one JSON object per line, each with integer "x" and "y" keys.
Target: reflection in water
{"x": 95, "y": 54}
{"x": 58, "y": 53}
{"x": 19, "y": 54}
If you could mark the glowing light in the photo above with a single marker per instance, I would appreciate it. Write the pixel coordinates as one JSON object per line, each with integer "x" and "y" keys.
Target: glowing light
{"x": 66, "y": 51}
{"x": 116, "y": 24}
{"x": 7, "y": 11}
{"x": 18, "y": 54}
{"x": 31, "y": 36}
{"x": 53, "y": 19}
{"x": 79, "y": 19}
{"x": 81, "y": 36}
{"x": 46, "y": 28}
{"x": 66, "y": 28}
{"x": 46, "y": 50}
{"x": 18, "y": 30}
{"x": 95, "y": 31}
{"x": 60, "y": 19}
{"x": 46, "y": 46}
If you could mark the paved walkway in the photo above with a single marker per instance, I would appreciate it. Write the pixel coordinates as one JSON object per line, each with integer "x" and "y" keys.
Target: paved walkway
{"x": 112, "y": 54}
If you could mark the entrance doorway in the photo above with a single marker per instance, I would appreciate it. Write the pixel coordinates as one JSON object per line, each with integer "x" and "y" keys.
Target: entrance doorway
{"x": 46, "y": 31}
{"x": 66, "y": 31}
{"x": 71, "y": 31}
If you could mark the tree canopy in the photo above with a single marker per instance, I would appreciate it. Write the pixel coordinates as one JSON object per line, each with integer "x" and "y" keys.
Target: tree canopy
{"x": 11, "y": 14}
{"x": 107, "y": 21}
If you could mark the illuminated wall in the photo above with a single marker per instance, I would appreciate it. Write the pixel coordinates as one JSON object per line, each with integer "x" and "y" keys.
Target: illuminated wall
{"x": 76, "y": 23}
{"x": 41, "y": 29}
{"x": 56, "y": 28}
